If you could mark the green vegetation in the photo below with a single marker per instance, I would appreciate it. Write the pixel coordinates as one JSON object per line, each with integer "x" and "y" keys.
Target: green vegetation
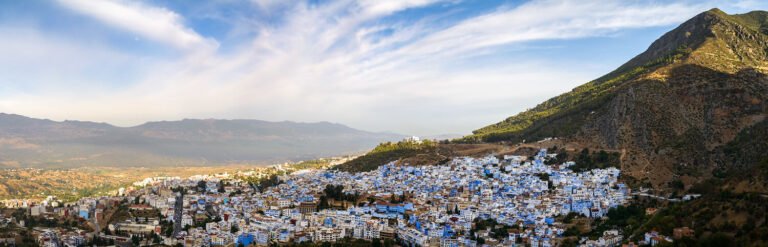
{"x": 747, "y": 151}
{"x": 586, "y": 161}
{"x": 402, "y": 145}
{"x": 755, "y": 20}
{"x": 721, "y": 218}
{"x": 563, "y": 115}
{"x": 496, "y": 230}
{"x": 31, "y": 221}
{"x": 100, "y": 241}
{"x": 336, "y": 192}
{"x": 387, "y": 152}
{"x": 66, "y": 185}
{"x": 311, "y": 164}
{"x": 625, "y": 218}
{"x": 561, "y": 157}
{"x": 261, "y": 182}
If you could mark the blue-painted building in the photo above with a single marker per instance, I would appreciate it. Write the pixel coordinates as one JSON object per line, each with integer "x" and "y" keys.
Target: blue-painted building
{"x": 245, "y": 239}
{"x": 83, "y": 214}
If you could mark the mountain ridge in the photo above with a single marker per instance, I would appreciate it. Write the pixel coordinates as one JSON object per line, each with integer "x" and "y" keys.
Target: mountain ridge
{"x": 671, "y": 108}
{"x": 31, "y": 142}
{"x": 687, "y": 116}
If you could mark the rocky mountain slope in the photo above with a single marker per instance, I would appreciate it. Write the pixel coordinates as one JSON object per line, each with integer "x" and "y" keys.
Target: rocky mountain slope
{"x": 29, "y": 142}
{"x": 681, "y": 111}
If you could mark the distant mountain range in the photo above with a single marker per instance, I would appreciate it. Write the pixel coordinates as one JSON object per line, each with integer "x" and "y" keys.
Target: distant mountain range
{"x": 30, "y": 142}
{"x": 690, "y": 108}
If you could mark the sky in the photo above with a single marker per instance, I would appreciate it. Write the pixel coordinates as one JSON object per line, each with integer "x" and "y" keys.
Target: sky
{"x": 420, "y": 67}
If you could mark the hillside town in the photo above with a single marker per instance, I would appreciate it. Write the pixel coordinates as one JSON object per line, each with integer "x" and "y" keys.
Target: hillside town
{"x": 489, "y": 201}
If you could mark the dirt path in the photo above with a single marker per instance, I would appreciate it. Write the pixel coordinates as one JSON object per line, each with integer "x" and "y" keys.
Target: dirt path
{"x": 570, "y": 147}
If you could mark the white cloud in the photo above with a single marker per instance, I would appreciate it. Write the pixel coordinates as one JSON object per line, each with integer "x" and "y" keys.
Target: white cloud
{"x": 391, "y": 6}
{"x": 547, "y": 20}
{"x": 746, "y": 5}
{"x": 158, "y": 24}
{"x": 337, "y": 62}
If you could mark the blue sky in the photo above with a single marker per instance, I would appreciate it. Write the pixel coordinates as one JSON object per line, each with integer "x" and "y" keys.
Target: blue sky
{"x": 418, "y": 67}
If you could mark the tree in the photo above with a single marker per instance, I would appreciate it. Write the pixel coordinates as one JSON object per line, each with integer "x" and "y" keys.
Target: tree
{"x": 272, "y": 180}
{"x": 375, "y": 242}
{"x": 389, "y": 243}
{"x": 201, "y": 185}
{"x": 571, "y": 231}
{"x": 135, "y": 240}
{"x": 335, "y": 192}
{"x": 602, "y": 156}
{"x": 717, "y": 239}
{"x": 323, "y": 204}
{"x": 561, "y": 157}
{"x": 221, "y": 187}
{"x": 500, "y": 233}
{"x": 97, "y": 241}
{"x": 393, "y": 199}
{"x": 677, "y": 184}
{"x": 155, "y": 238}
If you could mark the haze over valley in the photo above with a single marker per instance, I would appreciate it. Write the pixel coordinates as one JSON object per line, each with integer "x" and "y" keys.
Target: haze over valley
{"x": 41, "y": 143}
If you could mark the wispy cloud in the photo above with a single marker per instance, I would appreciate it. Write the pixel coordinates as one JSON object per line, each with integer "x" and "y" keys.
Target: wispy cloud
{"x": 548, "y": 19}
{"x": 349, "y": 61}
{"x": 387, "y": 7}
{"x": 155, "y": 23}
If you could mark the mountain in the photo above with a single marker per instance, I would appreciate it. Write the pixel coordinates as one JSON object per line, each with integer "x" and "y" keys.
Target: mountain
{"x": 675, "y": 112}
{"x": 29, "y": 142}
{"x": 688, "y": 115}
